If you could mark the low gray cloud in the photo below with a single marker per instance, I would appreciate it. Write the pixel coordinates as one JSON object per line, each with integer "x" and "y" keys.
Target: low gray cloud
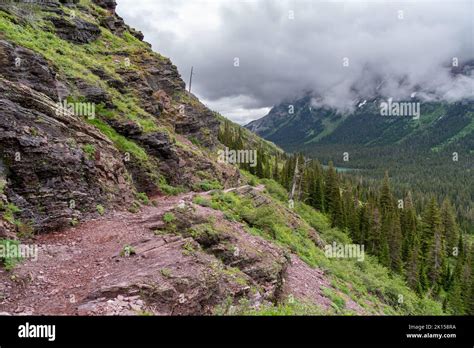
{"x": 288, "y": 48}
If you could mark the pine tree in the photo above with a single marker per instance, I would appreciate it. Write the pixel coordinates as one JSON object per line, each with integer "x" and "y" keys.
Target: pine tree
{"x": 383, "y": 250}
{"x": 469, "y": 300}
{"x": 454, "y": 298}
{"x": 287, "y": 172}
{"x": 412, "y": 265}
{"x": 306, "y": 184}
{"x": 333, "y": 197}
{"x": 259, "y": 167}
{"x": 225, "y": 134}
{"x": 409, "y": 226}
{"x": 351, "y": 218}
{"x": 284, "y": 175}
{"x": 467, "y": 278}
{"x": 310, "y": 186}
{"x": 386, "y": 197}
{"x": 275, "y": 171}
{"x": 450, "y": 228}
{"x": 374, "y": 235}
{"x": 318, "y": 194}
{"x": 455, "y": 302}
{"x": 364, "y": 224}
{"x": 424, "y": 281}
{"x": 266, "y": 172}
{"x": 395, "y": 243}
{"x": 330, "y": 182}
{"x": 433, "y": 246}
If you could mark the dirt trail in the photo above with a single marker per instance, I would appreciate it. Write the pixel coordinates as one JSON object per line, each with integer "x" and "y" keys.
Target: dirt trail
{"x": 77, "y": 262}
{"x": 69, "y": 261}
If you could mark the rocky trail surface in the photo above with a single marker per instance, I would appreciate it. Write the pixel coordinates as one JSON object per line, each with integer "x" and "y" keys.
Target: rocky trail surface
{"x": 128, "y": 264}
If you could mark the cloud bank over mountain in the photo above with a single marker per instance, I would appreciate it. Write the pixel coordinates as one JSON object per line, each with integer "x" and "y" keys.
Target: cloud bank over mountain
{"x": 337, "y": 50}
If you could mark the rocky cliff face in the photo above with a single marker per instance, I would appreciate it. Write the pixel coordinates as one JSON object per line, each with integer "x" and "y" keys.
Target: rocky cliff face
{"x": 139, "y": 130}
{"x": 49, "y": 175}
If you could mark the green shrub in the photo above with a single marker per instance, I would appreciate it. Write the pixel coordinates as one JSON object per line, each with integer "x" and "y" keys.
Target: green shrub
{"x": 264, "y": 217}
{"x": 168, "y": 217}
{"x": 100, "y": 209}
{"x": 24, "y": 229}
{"x": 314, "y": 218}
{"x": 194, "y": 140}
{"x": 205, "y": 234}
{"x": 89, "y": 150}
{"x": 188, "y": 248}
{"x": 127, "y": 251}
{"x": 9, "y": 212}
{"x": 165, "y": 272}
{"x": 168, "y": 189}
{"x": 202, "y": 201}
{"x": 3, "y": 183}
{"x": 337, "y": 301}
{"x": 293, "y": 308}
{"x": 275, "y": 190}
{"x": 208, "y": 185}
{"x": 134, "y": 207}
{"x": 203, "y": 175}
{"x": 143, "y": 198}
{"x": 231, "y": 217}
{"x": 335, "y": 235}
{"x": 9, "y": 253}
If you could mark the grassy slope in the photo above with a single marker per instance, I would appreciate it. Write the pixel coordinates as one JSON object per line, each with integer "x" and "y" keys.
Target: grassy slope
{"x": 368, "y": 283}
{"x": 73, "y": 61}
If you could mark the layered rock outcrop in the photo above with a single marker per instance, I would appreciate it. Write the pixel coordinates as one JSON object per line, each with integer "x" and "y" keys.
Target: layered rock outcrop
{"x": 58, "y": 165}
{"x": 51, "y": 176}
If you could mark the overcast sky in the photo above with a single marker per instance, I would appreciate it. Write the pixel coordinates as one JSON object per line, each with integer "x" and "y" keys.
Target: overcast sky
{"x": 288, "y": 48}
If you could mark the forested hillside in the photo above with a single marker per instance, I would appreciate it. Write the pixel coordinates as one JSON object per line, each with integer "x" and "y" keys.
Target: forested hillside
{"x": 420, "y": 240}
{"x": 429, "y": 155}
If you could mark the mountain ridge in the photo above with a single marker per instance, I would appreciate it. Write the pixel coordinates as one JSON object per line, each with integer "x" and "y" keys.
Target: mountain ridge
{"x": 299, "y": 123}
